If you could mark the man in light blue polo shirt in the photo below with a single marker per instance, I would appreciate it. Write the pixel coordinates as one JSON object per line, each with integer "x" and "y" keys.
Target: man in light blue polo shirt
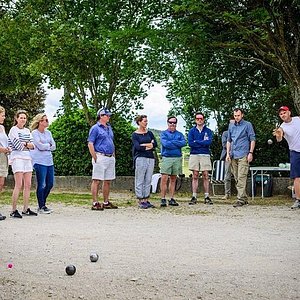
{"x": 240, "y": 147}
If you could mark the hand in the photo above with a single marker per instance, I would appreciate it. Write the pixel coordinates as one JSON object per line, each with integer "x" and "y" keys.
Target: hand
{"x": 228, "y": 158}
{"x": 278, "y": 133}
{"x": 250, "y": 157}
{"x": 8, "y": 150}
{"x": 29, "y": 145}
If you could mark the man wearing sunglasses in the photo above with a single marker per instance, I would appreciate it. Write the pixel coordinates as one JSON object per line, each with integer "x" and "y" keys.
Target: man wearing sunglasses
{"x": 102, "y": 149}
{"x": 171, "y": 165}
{"x": 200, "y": 139}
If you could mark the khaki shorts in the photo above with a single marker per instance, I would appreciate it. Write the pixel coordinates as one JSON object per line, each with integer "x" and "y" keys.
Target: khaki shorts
{"x": 104, "y": 168}
{"x": 199, "y": 163}
{"x": 171, "y": 165}
{"x": 21, "y": 165}
{"x": 3, "y": 165}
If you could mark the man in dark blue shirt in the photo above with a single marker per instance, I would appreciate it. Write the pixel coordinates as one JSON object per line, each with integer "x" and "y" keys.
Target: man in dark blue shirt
{"x": 102, "y": 150}
{"x": 240, "y": 147}
{"x": 200, "y": 139}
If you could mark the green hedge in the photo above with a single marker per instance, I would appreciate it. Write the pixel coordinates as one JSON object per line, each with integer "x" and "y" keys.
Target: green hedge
{"x": 72, "y": 157}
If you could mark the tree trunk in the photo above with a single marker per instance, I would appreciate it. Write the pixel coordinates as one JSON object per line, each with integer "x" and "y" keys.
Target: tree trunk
{"x": 295, "y": 91}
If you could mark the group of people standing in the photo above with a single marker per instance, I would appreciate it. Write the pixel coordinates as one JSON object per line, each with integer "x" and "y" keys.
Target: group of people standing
{"x": 240, "y": 142}
{"x": 25, "y": 150}
{"x": 238, "y": 147}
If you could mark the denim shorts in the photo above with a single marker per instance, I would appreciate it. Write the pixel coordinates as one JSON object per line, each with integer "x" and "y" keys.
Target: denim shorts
{"x": 295, "y": 164}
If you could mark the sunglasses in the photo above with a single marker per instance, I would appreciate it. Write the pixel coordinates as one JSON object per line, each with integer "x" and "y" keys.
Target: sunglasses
{"x": 46, "y": 120}
{"x": 172, "y": 123}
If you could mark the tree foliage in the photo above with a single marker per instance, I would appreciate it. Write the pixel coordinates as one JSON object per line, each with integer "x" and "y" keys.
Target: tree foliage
{"x": 72, "y": 157}
{"x": 265, "y": 32}
{"x": 19, "y": 89}
{"x": 94, "y": 49}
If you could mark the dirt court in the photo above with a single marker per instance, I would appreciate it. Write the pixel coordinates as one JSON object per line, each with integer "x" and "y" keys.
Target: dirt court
{"x": 198, "y": 252}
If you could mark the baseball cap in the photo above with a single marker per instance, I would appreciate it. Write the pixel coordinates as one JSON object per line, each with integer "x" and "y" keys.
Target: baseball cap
{"x": 103, "y": 111}
{"x": 285, "y": 108}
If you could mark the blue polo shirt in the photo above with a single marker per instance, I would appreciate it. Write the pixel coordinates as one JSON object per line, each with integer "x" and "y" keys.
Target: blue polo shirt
{"x": 240, "y": 135}
{"x": 103, "y": 138}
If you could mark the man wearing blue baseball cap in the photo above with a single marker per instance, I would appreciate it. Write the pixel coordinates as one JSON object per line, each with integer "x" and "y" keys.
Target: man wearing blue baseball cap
{"x": 290, "y": 130}
{"x": 102, "y": 149}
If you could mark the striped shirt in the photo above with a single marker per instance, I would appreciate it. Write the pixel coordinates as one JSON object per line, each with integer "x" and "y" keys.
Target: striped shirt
{"x": 17, "y": 137}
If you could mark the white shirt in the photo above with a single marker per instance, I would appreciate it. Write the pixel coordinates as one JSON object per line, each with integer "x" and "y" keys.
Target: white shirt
{"x": 292, "y": 133}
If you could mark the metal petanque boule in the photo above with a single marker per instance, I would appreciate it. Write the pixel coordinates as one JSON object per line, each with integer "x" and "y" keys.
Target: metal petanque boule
{"x": 94, "y": 257}
{"x": 70, "y": 269}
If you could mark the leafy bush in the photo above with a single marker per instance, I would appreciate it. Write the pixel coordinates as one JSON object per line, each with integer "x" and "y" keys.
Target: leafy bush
{"x": 72, "y": 157}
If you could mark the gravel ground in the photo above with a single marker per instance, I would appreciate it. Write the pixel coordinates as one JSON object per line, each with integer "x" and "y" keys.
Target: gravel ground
{"x": 198, "y": 252}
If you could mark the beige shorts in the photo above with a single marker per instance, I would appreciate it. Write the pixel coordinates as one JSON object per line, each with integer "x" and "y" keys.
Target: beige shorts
{"x": 199, "y": 163}
{"x": 21, "y": 165}
{"x": 104, "y": 168}
{"x": 3, "y": 165}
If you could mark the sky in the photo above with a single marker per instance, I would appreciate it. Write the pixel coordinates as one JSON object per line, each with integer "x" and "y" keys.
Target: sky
{"x": 156, "y": 107}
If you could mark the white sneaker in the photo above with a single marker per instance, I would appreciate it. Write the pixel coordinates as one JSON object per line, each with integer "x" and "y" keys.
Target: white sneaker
{"x": 296, "y": 204}
{"x": 226, "y": 197}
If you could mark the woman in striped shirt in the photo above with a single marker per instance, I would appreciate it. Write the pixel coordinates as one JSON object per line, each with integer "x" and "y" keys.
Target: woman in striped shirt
{"x": 20, "y": 141}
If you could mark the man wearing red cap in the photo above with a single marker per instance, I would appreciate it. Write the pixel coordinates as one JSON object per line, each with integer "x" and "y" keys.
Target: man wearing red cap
{"x": 290, "y": 130}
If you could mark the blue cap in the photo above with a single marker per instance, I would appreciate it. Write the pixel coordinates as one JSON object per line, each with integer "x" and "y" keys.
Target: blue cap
{"x": 103, "y": 111}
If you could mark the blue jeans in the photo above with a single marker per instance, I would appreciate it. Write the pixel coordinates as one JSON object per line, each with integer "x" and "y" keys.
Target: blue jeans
{"x": 44, "y": 182}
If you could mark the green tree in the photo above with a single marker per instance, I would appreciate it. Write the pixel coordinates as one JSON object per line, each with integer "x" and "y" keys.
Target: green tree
{"x": 19, "y": 89}
{"x": 72, "y": 157}
{"x": 265, "y": 32}
{"x": 96, "y": 50}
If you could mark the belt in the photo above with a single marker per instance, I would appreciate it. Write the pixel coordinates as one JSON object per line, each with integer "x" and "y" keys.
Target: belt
{"x": 104, "y": 154}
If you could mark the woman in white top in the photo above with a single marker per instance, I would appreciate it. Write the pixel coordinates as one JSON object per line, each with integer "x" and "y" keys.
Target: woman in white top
{"x": 4, "y": 150}
{"x": 20, "y": 141}
{"x": 42, "y": 160}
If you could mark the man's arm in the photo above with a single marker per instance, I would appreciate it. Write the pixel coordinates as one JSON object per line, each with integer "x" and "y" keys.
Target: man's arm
{"x": 228, "y": 146}
{"x": 250, "y": 154}
{"x": 92, "y": 151}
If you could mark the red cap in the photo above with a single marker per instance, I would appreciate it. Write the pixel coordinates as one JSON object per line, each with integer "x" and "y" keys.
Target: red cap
{"x": 285, "y": 108}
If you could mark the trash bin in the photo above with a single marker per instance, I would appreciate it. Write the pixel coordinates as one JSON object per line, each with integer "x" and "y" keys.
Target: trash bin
{"x": 267, "y": 181}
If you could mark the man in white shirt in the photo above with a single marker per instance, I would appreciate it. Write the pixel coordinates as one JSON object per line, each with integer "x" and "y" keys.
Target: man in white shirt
{"x": 290, "y": 130}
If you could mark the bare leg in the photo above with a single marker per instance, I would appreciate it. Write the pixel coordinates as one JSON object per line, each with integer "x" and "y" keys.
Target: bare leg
{"x": 95, "y": 189}
{"x": 26, "y": 189}
{"x": 105, "y": 190}
{"x": 2, "y": 179}
{"x": 205, "y": 179}
{"x": 172, "y": 185}
{"x": 195, "y": 181}
{"x": 163, "y": 185}
{"x": 297, "y": 187}
{"x": 17, "y": 188}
